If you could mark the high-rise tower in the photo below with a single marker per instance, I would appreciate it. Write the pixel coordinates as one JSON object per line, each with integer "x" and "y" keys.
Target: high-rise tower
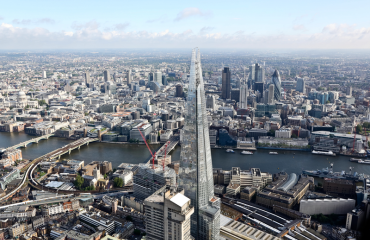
{"x": 277, "y": 85}
{"x": 195, "y": 173}
{"x": 106, "y": 76}
{"x": 129, "y": 77}
{"x": 301, "y": 86}
{"x": 226, "y": 83}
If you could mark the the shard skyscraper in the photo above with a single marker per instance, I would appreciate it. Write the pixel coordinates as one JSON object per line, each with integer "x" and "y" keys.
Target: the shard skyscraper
{"x": 195, "y": 173}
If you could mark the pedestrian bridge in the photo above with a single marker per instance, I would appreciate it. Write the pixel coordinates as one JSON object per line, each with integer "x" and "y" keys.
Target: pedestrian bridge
{"x": 33, "y": 140}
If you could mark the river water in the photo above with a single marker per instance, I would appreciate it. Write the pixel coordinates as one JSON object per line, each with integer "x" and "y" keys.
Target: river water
{"x": 288, "y": 161}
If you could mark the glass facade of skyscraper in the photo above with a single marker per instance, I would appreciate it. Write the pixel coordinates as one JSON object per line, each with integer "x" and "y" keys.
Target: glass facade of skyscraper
{"x": 195, "y": 173}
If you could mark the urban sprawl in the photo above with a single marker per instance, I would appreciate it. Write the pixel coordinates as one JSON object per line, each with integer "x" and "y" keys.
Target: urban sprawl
{"x": 238, "y": 102}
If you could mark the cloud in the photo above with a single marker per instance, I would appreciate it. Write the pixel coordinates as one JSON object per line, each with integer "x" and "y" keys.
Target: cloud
{"x": 299, "y": 27}
{"x": 205, "y": 30}
{"x": 160, "y": 19}
{"x": 22, "y": 21}
{"x": 121, "y": 26}
{"x": 90, "y": 35}
{"x": 189, "y": 12}
{"x": 30, "y": 21}
{"x": 1, "y": 18}
{"x": 46, "y": 20}
{"x": 89, "y": 26}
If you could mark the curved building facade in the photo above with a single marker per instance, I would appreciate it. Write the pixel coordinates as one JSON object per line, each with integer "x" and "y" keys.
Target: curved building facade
{"x": 277, "y": 85}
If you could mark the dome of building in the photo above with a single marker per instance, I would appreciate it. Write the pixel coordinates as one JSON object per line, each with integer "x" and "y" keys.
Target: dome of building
{"x": 21, "y": 93}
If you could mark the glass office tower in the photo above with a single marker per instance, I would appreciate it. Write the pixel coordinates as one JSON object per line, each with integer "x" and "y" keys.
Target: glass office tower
{"x": 195, "y": 173}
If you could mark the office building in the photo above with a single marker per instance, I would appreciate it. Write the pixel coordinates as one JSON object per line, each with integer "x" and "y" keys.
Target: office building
{"x": 148, "y": 180}
{"x": 277, "y": 85}
{"x": 128, "y": 77}
{"x": 106, "y": 76}
{"x": 271, "y": 97}
{"x": 355, "y": 219}
{"x": 93, "y": 219}
{"x": 243, "y": 98}
{"x": 179, "y": 91}
{"x": 301, "y": 85}
{"x": 158, "y": 78}
{"x": 145, "y": 129}
{"x": 44, "y": 74}
{"x": 87, "y": 78}
{"x": 195, "y": 173}
{"x": 349, "y": 91}
{"x": 258, "y": 86}
{"x": 168, "y": 215}
{"x": 256, "y": 74}
{"x": 226, "y": 83}
{"x": 150, "y": 77}
{"x": 250, "y": 178}
{"x": 164, "y": 80}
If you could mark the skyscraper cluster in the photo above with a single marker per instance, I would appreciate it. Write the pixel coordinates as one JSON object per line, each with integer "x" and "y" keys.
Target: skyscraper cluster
{"x": 256, "y": 74}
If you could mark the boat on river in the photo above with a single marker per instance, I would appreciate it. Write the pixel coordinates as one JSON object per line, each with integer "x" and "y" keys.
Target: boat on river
{"x": 246, "y": 153}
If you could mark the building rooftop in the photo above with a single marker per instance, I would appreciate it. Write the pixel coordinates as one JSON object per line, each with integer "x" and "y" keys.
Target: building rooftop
{"x": 179, "y": 199}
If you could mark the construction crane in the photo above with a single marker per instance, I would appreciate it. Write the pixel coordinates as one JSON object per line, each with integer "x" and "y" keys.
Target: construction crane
{"x": 165, "y": 155}
{"x": 153, "y": 155}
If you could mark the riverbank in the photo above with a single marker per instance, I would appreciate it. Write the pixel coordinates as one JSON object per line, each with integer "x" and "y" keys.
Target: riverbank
{"x": 288, "y": 149}
{"x": 289, "y": 161}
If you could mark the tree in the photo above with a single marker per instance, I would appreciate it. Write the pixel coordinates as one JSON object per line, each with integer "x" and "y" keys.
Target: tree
{"x": 129, "y": 218}
{"x": 79, "y": 181}
{"x": 42, "y": 102}
{"x": 294, "y": 136}
{"x": 137, "y": 232}
{"x": 148, "y": 141}
{"x": 327, "y": 101}
{"x": 358, "y": 128}
{"x": 105, "y": 176}
{"x": 366, "y": 125}
{"x": 118, "y": 182}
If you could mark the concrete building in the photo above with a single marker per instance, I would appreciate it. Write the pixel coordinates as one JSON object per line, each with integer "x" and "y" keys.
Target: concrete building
{"x": 94, "y": 219}
{"x": 145, "y": 129}
{"x": 286, "y": 190}
{"x": 168, "y": 215}
{"x": 8, "y": 177}
{"x": 355, "y": 219}
{"x": 148, "y": 180}
{"x": 233, "y": 189}
{"x": 327, "y": 206}
{"x": 283, "y": 133}
{"x": 231, "y": 230}
{"x": 252, "y": 178}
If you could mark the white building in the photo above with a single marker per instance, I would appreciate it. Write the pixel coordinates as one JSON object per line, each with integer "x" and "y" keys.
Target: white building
{"x": 250, "y": 178}
{"x": 327, "y": 206}
{"x": 283, "y": 133}
{"x": 168, "y": 216}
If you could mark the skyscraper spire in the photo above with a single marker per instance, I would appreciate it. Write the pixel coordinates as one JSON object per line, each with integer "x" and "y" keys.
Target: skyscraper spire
{"x": 196, "y": 173}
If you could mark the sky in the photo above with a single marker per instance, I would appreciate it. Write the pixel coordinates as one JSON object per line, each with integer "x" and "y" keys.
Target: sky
{"x": 245, "y": 24}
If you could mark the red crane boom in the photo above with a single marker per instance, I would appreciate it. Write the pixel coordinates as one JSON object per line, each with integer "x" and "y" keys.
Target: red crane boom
{"x": 153, "y": 155}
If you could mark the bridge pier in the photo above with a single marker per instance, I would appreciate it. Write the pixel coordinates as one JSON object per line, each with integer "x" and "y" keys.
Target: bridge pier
{"x": 79, "y": 147}
{"x": 59, "y": 157}
{"x": 69, "y": 151}
{"x": 25, "y": 145}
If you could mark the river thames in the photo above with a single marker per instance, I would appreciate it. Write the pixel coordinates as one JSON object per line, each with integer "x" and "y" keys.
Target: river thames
{"x": 288, "y": 161}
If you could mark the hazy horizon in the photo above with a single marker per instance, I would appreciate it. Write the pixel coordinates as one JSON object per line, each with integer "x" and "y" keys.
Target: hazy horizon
{"x": 236, "y": 24}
